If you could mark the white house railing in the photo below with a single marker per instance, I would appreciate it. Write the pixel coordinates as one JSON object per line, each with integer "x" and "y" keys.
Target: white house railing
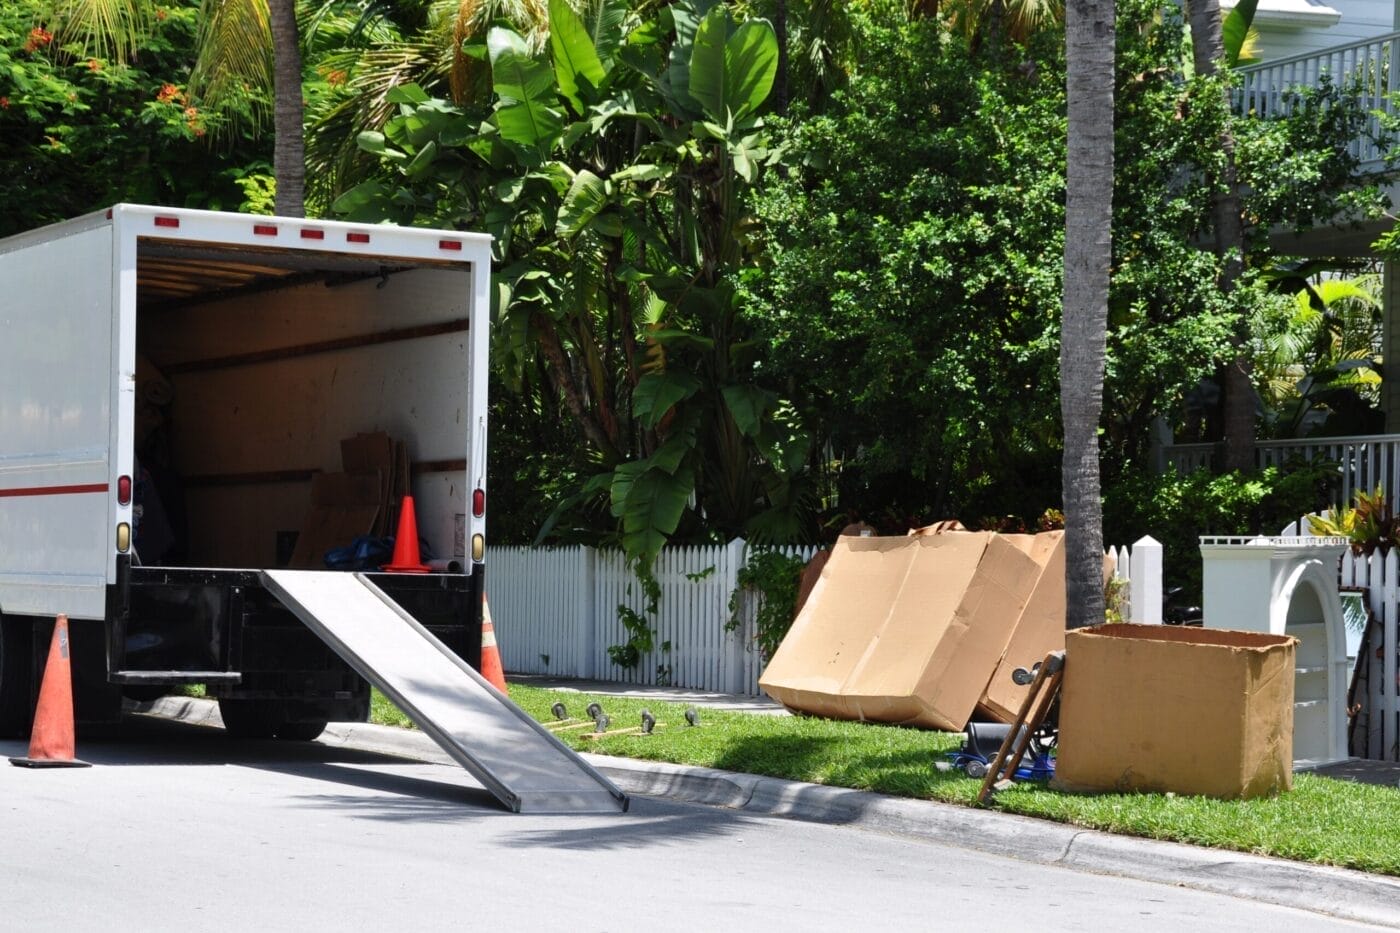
{"x": 1370, "y": 67}
{"x": 1362, "y": 462}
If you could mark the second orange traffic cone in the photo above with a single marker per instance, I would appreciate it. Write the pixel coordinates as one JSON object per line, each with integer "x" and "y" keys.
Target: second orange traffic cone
{"x": 406, "y": 558}
{"x": 491, "y": 667}
{"x": 51, "y": 743}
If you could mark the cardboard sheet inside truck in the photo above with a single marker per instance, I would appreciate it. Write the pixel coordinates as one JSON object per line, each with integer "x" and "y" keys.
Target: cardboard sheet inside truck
{"x": 913, "y": 629}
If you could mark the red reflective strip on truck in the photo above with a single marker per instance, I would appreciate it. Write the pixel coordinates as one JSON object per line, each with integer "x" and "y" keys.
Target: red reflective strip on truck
{"x": 53, "y": 490}
{"x": 454, "y": 245}
{"x": 264, "y": 230}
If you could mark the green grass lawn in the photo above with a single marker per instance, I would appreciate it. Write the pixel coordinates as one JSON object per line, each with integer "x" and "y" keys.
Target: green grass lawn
{"x": 1321, "y": 820}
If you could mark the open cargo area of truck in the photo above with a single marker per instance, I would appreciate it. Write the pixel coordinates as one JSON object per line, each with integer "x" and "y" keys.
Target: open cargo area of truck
{"x": 190, "y": 400}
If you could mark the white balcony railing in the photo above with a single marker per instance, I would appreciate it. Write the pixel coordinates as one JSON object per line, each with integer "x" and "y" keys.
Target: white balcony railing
{"x": 1362, "y": 462}
{"x": 1370, "y": 68}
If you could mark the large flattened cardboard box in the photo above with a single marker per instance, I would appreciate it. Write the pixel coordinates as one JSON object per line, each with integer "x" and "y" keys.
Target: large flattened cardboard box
{"x": 903, "y": 629}
{"x": 1039, "y": 631}
{"x": 1189, "y": 710}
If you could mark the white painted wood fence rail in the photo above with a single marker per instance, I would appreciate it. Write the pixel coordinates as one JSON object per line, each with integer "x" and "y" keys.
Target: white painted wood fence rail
{"x": 555, "y": 612}
{"x": 1380, "y": 574}
{"x": 1141, "y": 568}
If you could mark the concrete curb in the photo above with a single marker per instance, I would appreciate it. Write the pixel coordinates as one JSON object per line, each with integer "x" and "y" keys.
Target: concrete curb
{"x": 1338, "y": 892}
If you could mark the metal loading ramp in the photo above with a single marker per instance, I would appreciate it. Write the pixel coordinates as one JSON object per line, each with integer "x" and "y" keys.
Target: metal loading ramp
{"x": 516, "y": 758}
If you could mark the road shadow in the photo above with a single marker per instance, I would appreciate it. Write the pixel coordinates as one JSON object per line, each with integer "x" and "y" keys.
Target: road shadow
{"x": 648, "y": 823}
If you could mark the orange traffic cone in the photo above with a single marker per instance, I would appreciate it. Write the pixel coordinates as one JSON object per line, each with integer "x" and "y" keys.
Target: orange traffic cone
{"x": 51, "y": 742}
{"x": 490, "y": 655}
{"x": 406, "y": 558}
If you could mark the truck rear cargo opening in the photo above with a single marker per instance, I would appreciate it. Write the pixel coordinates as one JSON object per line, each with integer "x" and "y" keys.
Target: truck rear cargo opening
{"x": 188, "y": 399}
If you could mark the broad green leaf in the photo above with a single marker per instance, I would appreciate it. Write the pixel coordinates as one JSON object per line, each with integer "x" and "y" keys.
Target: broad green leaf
{"x": 653, "y": 508}
{"x": 525, "y": 110}
{"x": 639, "y": 173}
{"x": 422, "y": 160}
{"x": 671, "y": 337}
{"x": 406, "y": 94}
{"x": 575, "y": 56}
{"x": 748, "y": 404}
{"x": 732, "y": 75}
{"x": 604, "y": 26}
{"x": 1235, "y": 28}
{"x": 584, "y": 200}
{"x": 658, "y": 393}
{"x": 621, "y": 486}
{"x": 687, "y": 15}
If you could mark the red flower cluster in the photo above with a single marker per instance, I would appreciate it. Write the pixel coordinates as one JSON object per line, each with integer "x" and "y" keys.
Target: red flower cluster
{"x": 38, "y": 37}
{"x": 168, "y": 93}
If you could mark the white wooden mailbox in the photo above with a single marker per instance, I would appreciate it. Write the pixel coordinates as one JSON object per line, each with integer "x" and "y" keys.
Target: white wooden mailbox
{"x": 1288, "y": 586}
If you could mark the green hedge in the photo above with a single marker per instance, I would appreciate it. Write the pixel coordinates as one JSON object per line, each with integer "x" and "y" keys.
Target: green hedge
{"x": 1177, "y": 509}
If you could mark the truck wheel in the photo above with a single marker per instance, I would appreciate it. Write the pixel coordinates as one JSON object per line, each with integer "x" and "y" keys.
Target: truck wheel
{"x": 301, "y": 731}
{"x": 16, "y": 674}
{"x": 250, "y": 719}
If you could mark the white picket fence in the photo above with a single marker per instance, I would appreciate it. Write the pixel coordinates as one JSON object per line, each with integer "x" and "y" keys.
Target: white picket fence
{"x": 555, "y": 612}
{"x": 1380, "y": 575}
{"x": 1141, "y": 568}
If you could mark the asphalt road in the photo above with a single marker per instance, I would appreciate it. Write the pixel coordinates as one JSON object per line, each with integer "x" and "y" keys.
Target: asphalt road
{"x": 177, "y": 825}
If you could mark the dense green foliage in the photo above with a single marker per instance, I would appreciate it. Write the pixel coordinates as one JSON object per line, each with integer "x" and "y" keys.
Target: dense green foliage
{"x": 613, "y": 172}
{"x": 1177, "y": 510}
{"x": 79, "y": 134}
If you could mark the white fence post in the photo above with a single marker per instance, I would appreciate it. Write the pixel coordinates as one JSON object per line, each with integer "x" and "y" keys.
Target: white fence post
{"x": 1145, "y": 581}
{"x": 586, "y": 632}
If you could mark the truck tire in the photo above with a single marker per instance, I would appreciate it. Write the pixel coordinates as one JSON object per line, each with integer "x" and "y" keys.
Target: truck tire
{"x": 250, "y": 719}
{"x": 301, "y": 731}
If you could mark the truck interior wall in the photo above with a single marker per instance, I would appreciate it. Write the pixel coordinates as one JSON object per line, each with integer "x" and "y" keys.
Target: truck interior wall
{"x": 245, "y": 435}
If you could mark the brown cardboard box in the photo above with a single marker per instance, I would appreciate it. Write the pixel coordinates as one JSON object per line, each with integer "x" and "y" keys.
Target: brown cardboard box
{"x": 903, "y": 629}
{"x": 343, "y": 507}
{"x": 1164, "y": 708}
{"x": 1039, "y": 630}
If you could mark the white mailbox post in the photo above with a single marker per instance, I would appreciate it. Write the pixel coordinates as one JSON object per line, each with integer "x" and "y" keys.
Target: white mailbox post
{"x": 1288, "y": 586}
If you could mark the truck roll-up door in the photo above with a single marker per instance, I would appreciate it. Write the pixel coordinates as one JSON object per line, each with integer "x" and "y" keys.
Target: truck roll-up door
{"x": 57, "y": 537}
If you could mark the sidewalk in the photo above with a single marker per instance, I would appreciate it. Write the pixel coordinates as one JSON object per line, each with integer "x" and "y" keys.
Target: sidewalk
{"x": 1337, "y": 892}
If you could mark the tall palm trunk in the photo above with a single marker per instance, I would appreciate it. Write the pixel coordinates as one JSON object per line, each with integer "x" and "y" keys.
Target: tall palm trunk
{"x": 289, "y": 145}
{"x": 1237, "y": 415}
{"x": 1089, "y": 44}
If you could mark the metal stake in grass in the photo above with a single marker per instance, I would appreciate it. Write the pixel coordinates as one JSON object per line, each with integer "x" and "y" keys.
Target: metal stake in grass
{"x": 648, "y": 722}
{"x": 559, "y": 711}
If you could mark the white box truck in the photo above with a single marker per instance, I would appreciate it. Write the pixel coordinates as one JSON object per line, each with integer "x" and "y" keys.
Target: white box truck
{"x": 171, "y": 384}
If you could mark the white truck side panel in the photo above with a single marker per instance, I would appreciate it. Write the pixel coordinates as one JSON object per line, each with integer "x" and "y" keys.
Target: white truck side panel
{"x": 56, "y": 501}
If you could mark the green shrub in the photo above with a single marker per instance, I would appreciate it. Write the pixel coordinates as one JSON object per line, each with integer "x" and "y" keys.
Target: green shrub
{"x": 1177, "y": 509}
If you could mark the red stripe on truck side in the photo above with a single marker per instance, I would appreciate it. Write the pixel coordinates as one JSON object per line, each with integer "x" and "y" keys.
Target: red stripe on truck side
{"x": 53, "y": 490}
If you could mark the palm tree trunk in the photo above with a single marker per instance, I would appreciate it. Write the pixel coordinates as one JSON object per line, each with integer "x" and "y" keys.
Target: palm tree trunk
{"x": 1238, "y": 409}
{"x": 1089, "y": 41}
{"x": 289, "y": 147}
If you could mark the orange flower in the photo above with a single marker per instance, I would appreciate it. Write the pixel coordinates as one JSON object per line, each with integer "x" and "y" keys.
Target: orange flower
{"x": 4, "y": 103}
{"x": 161, "y": 14}
{"x": 336, "y": 78}
{"x": 94, "y": 65}
{"x": 168, "y": 92}
{"x": 38, "y": 36}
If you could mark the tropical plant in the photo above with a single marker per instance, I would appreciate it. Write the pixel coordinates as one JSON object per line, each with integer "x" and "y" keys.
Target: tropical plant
{"x": 1370, "y": 525}
{"x": 613, "y": 174}
{"x": 79, "y": 132}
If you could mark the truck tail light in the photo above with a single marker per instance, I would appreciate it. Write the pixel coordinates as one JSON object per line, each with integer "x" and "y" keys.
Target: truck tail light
{"x": 478, "y": 547}
{"x": 123, "y": 537}
{"x": 479, "y": 502}
{"x": 123, "y": 490}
